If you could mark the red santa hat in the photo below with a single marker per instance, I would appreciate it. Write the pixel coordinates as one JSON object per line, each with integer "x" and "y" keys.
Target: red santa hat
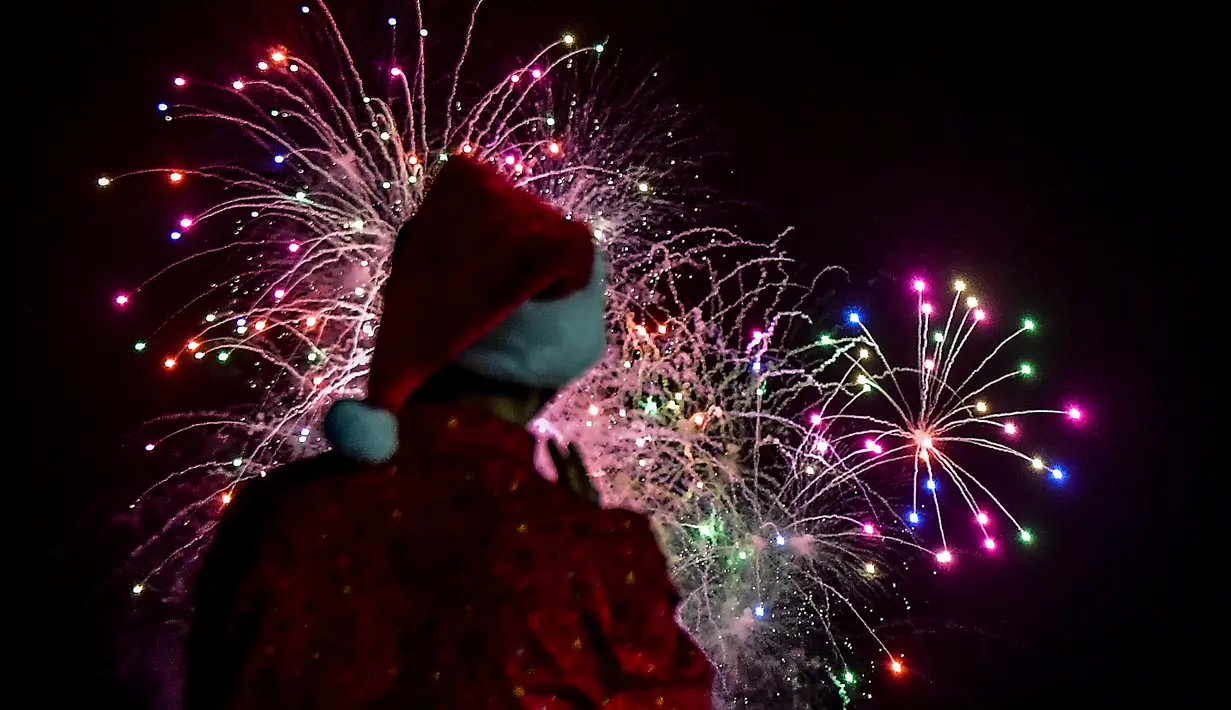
{"x": 487, "y": 276}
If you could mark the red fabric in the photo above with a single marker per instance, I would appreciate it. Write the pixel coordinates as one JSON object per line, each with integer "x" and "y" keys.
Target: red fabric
{"x": 476, "y": 249}
{"x": 455, "y": 578}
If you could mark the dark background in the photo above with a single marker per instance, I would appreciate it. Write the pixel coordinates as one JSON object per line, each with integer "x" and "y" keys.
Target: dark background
{"x": 1035, "y": 151}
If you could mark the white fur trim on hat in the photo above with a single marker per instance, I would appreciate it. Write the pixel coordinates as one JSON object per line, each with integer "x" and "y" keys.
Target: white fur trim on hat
{"x": 361, "y": 432}
{"x": 546, "y": 343}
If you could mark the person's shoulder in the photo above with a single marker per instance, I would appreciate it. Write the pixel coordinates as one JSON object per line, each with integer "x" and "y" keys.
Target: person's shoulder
{"x": 261, "y": 499}
{"x": 297, "y": 476}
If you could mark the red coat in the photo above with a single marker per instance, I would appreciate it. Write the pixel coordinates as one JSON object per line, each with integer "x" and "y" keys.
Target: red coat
{"x": 455, "y": 578}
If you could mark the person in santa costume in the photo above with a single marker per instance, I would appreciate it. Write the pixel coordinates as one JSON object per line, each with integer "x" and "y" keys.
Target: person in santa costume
{"x": 424, "y": 563}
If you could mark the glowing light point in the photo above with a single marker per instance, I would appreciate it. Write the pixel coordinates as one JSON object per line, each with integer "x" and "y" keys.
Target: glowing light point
{"x": 186, "y": 222}
{"x": 568, "y": 39}
{"x": 515, "y": 78}
{"x": 554, "y": 148}
{"x": 175, "y": 236}
{"x": 262, "y": 65}
{"x": 1074, "y": 413}
{"x": 279, "y": 294}
{"x": 872, "y": 446}
{"x": 137, "y": 588}
{"x": 815, "y": 419}
{"x": 919, "y": 285}
{"x": 1027, "y": 324}
{"x": 896, "y": 667}
{"x": 913, "y": 517}
{"x": 849, "y": 677}
{"x": 971, "y": 301}
{"x": 224, "y": 356}
{"x": 863, "y": 353}
{"x": 980, "y": 314}
{"x": 929, "y": 364}
{"x": 779, "y": 540}
{"x": 104, "y": 181}
{"x": 226, "y": 498}
{"x": 853, "y": 317}
{"x": 175, "y": 177}
{"x": 423, "y": 32}
{"x": 989, "y": 543}
{"x": 180, "y": 81}
{"x": 926, "y": 309}
{"x": 869, "y": 529}
{"x": 237, "y": 85}
{"x": 139, "y": 346}
{"x": 1010, "y": 428}
{"x": 1036, "y": 464}
{"x": 193, "y": 345}
{"x": 930, "y": 484}
{"x": 599, "y": 48}
{"x": 698, "y": 419}
{"x": 121, "y": 300}
{"x": 944, "y": 557}
{"x": 395, "y": 71}
{"x": 292, "y": 247}
{"x": 981, "y": 406}
{"x": 1057, "y": 474}
{"x": 149, "y": 447}
{"x": 536, "y": 73}
{"x": 825, "y": 340}
{"x": 959, "y": 285}
{"x": 279, "y": 159}
{"x": 509, "y": 160}
{"x": 982, "y": 518}
{"x": 163, "y": 107}
{"x": 759, "y": 610}
{"x": 643, "y": 187}
{"x": 393, "y": 21}
{"x": 1026, "y": 369}
{"x": 168, "y": 363}
{"x": 1025, "y": 536}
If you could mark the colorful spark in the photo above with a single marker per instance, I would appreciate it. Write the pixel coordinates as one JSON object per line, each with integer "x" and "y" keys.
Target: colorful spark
{"x": 925, "y": 419}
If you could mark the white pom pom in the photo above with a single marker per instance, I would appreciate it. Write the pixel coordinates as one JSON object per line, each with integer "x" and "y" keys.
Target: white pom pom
{"x": 362, "y": 432}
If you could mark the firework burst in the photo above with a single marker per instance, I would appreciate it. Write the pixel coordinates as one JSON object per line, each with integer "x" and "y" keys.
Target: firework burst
{"x": 317, "y": 176}
{"x": 926, "y": 418}
{"x": 717, "y": 411}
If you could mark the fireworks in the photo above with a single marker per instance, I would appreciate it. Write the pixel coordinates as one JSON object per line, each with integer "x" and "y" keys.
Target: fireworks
{"x": 718, "y": 411}
{"x": 773, "y": 545}
{"x": 927, "y": 417}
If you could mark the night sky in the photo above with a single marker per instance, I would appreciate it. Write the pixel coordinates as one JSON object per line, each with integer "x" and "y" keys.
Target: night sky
{"x": 1035, "y": 152}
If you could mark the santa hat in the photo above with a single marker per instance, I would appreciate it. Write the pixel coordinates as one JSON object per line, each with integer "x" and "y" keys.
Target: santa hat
{"x": 489, "y": 277}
